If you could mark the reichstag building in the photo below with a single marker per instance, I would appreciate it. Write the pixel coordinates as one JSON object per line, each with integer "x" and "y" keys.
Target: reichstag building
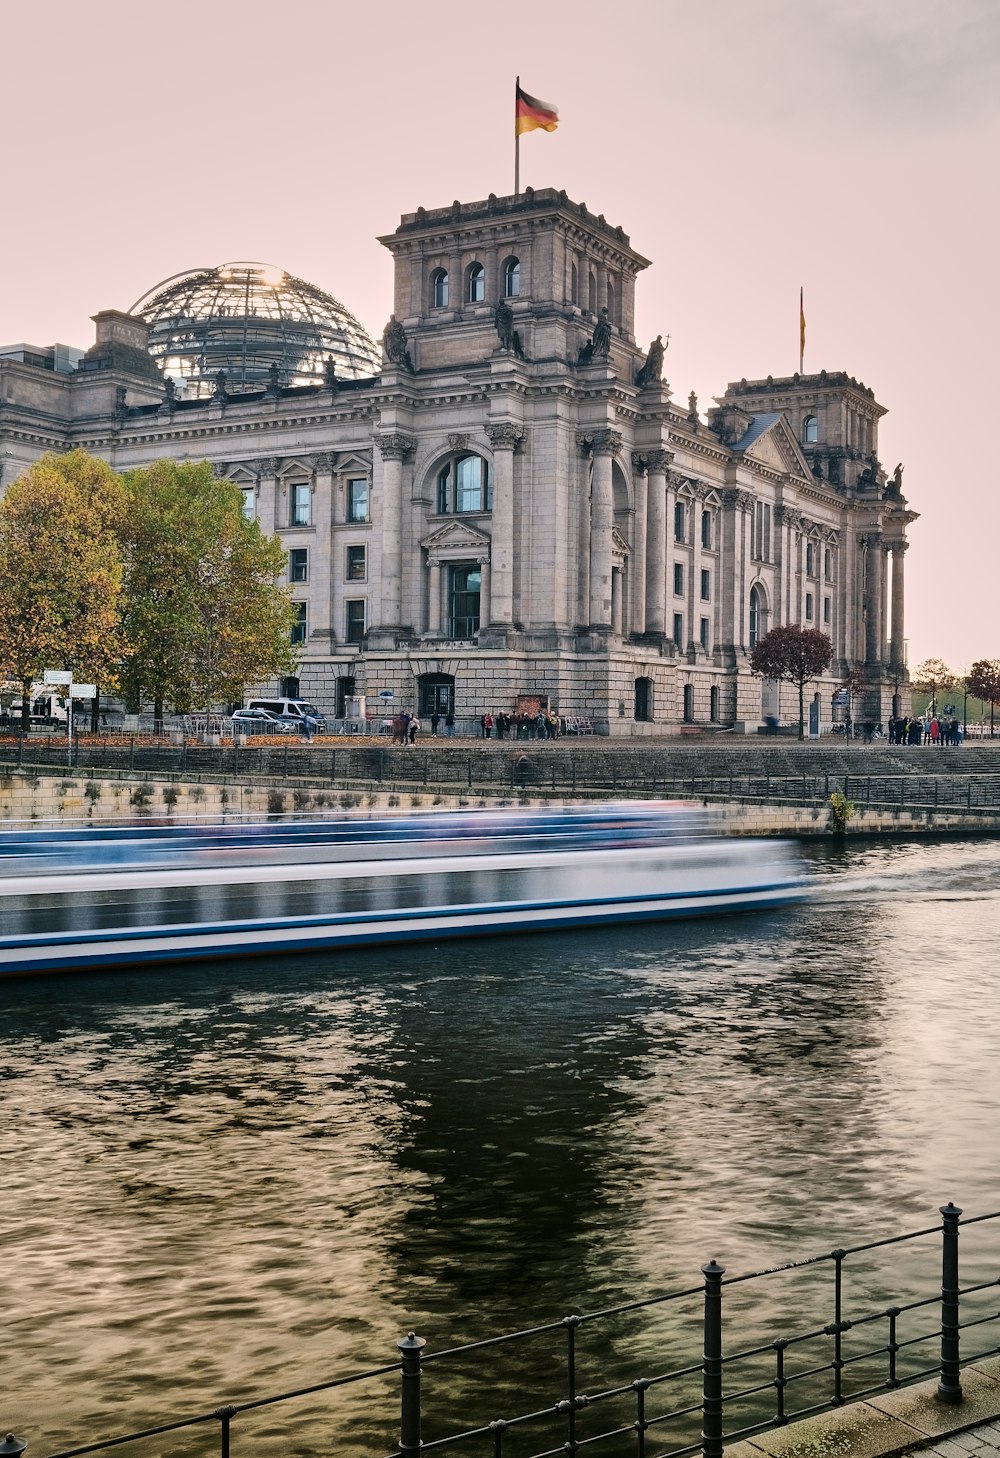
{"x": 501, "y": 502}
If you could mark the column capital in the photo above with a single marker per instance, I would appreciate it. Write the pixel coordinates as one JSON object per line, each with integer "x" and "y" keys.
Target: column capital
{"x": 871, "y": 539}
{"x": 640, "y": 463}
{"x": 600, "y": 442}
{"x": 898, "y": 548}
{"x": 266, "y": 466}
{"x": 659, "y": 462}
{"x": 394, "y": 447}
{"x": 734, "y": 496}
{"x": 504, "y": 435}
{"x": 323, "y": 461}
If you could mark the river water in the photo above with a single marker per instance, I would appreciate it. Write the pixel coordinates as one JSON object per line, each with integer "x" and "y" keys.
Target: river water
{"x": 229, "y": 1180}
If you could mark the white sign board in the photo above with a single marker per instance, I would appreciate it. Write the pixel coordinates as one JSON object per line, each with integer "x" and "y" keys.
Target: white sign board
{"x": 83, "y": 690}
{"x": 53, "y": 675}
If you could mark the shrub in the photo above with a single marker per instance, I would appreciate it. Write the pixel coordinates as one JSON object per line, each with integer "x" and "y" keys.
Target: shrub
{"x": 842, "y": 810}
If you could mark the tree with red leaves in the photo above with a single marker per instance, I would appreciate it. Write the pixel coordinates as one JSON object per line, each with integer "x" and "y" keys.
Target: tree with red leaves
{"x": 794, "y": 655}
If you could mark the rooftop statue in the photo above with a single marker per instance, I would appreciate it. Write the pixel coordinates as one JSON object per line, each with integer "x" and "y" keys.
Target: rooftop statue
{"x": 394, "y": 343}
{"x": 651, "y": 372}
{"x": 503, "y": 319}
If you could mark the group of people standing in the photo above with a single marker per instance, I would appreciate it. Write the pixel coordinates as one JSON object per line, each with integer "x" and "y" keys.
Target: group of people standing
{"x": 928, "y": 730}
{"x": 521, "y": 726}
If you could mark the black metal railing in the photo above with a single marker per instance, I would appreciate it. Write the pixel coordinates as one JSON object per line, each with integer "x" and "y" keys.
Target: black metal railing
{"x": 327, "y": 771}
{"x": 842, "y": 1346}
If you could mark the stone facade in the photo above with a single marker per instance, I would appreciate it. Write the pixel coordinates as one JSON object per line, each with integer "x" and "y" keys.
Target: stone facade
{"x": 515, "y": 506}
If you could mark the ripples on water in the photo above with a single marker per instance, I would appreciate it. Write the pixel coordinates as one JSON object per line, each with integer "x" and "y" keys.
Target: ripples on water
{"x": 232, "y": 1179}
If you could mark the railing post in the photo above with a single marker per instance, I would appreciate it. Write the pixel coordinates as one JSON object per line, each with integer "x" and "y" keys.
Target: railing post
{"x": 225, "y": 1416}
{"x": 711, "y": 1371}
{"x": 12, "y": 1447}
{"x": 838, "y": 1326}
{"x": 409, "y": 1424}
{"x": 640, "y": 1386}
{"x": 950, "y": 1383}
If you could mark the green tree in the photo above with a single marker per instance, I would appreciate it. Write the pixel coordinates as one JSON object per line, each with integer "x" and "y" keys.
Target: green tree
{"x": 983, "y": 682}
{"x": 204, "y": 614}
{"x": 794, "y": 655}
{"x": 931, "y": 676}
{"x": 61, "y": 573}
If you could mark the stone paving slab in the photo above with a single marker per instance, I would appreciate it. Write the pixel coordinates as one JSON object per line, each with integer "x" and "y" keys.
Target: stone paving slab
{"x": 891, "y": 1423}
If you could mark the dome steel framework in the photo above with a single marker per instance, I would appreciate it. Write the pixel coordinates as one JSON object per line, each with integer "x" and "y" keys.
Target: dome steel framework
{"x": 244, "y": 318}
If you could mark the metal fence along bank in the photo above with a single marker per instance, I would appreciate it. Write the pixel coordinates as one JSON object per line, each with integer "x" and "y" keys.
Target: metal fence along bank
{"x": 669, "y": 1374}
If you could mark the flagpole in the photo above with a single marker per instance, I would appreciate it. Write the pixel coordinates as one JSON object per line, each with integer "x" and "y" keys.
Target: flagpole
{"x": 802, "y": 330}
{"x": 517, "y": 141}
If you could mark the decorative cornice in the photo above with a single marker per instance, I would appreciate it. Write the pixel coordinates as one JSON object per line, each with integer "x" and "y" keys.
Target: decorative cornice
{"x": 395, "y": 447}
{"x": 504, "y": 435}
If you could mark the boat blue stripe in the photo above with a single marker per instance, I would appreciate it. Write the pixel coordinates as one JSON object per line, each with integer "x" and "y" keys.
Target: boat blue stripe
{"x": 399, "y": 933}
{"x": 347, "y": 919}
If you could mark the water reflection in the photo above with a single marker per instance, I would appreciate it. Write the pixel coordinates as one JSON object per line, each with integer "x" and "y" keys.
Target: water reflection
{"x": 238, "y": 1178}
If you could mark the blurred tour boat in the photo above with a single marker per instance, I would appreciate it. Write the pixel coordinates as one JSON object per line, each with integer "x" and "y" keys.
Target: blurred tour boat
{"x": 121, "y": 896}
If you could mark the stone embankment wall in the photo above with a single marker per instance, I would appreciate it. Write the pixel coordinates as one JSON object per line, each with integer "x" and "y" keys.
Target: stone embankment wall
{"x": 35, "y": 799}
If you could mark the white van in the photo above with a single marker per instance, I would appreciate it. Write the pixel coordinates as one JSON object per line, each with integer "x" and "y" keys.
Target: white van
{"x": 292, "y": 709}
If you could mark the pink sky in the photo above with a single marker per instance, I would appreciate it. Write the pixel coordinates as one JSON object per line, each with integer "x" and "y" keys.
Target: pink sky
{"x": 747, "y": 146}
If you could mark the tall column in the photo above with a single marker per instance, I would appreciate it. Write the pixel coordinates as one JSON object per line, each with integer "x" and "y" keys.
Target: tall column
{"x": 321, "y": 558}
{"x": 898, "y": 550}
{"x": 603, "y": 445}
{"x": 434, "y": 596}
{"x": 638, "y": 573}
{"x": 266, "y": 492}
{"x": 394, "y": 449}
{"x": 616, "y": 601}
{"x": 883, "y": 606}
{"x": 504, "y": 437}
{"x": 872, "y": 596}
{"x": 485, "y": 591}
{"x": 657, "y": 526}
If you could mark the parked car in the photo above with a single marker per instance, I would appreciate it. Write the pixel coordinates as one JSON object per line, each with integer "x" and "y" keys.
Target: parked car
{"x": 262, "y": 721}
{"x": 297, "y": 709}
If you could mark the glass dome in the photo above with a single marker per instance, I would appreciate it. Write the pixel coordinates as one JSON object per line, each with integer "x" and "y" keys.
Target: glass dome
{"x": 244, "y": 318}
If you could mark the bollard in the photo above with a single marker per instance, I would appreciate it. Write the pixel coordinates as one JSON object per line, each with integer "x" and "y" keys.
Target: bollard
{"x": 950, "y": 1383}
{"x": 409, "y": 1425}
{"x": 12, "y": 1447}
{"x": 711, "y": 1371}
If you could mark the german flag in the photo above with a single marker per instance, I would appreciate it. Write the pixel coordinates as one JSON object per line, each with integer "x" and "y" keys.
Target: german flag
{"x": 530, "y": 114}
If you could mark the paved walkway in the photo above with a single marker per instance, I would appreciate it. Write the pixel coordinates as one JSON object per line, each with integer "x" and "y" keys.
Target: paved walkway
{"x": 908, "y": 1420}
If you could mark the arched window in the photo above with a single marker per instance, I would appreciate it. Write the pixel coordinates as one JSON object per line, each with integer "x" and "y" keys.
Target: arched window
{"x": 512, "y": 278}
{"x": 574, "y": 285}
{"x": 436, "y": 694}
{"x": 756, "y": 617}
{"x": 643, "y": 700}
{"x": 464, "y": 484}
{"x": 439, "y": 288}
{"x": 688, "y": 702}
{"x": 810, "y": 430}
{"x": 476, "y": 291}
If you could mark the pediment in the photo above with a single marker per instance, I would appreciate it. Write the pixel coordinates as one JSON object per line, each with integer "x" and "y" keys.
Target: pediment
{"x": 618, "y": 543}
{"x": 777, "y": 448}
{"x": 351, "y": 461}
{"x": 456, "y": 537}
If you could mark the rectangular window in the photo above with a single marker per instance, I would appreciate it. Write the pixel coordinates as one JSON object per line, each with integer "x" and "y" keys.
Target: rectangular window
{"x": 298, "y": 564}
{"x": 357, "y": 564}
{"x": 706, "y": 529}
{"x": 249, "y": 503}
{"x": 679, "y": 630}
{"x": 355, "y": 620}
{"x": 679, "y": 521}
{"x": 703, "y": 634}
{"x": 357, "y": 500}
{"x": 809, "y": 607}
{"x": 826, "y": 610}
{"x": 300, "y": 624}
{"x": 826, "y": 563}
{"x": 678, "y": 579}
{"x": 810, "y": 560}
{"x": 760, "y": 532}
{"x": 300, "y": 504}
{"x": 706, "y": 585}
{"x": 464, "y": 585}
